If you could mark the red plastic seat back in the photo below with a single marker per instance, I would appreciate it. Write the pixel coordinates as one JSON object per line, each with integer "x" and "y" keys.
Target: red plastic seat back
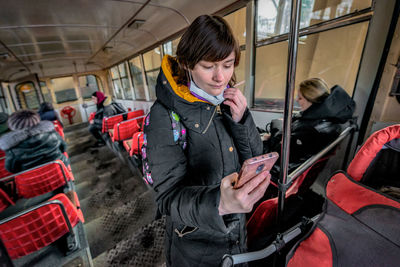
{"x": 59, "y": 130}
{"x": 5, "y": 200}
{"x": 109, "y": 122}
{"x": 137, "y": 143}
{"x": 91, "y": 116}
{"x": 2, "y": 154}
{"x": 125, "y": 130}
{"x": 38, "y": 228}
{"x": 41, "y": 180}
{"x": 135, "y": 113}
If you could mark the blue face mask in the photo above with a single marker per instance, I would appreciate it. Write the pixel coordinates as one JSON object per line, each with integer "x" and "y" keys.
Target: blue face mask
{"x": 198, "y": 92}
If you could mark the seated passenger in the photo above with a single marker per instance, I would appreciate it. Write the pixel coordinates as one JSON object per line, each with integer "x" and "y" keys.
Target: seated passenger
{"x": 3, "y": 123}
{"x": 102, "y": 111}
{"x": 31, "y": 142}
{"x": 318, "y": 123}
{"x": 47, "y": 113}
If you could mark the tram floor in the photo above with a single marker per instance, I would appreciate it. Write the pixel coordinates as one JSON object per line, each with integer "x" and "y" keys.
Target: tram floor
{"x": 118, "y": 207}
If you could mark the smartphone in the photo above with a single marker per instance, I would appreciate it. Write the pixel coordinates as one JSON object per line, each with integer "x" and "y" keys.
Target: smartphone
{"x": 254, "y": 166}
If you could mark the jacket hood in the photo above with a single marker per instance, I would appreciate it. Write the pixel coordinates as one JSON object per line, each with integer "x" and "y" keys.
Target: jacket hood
{"x": 177, "y": 97}
{"x": 13, "y": 138}
{"x": 337, "y": 107}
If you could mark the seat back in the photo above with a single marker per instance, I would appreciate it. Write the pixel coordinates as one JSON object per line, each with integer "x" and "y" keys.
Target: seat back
{"x": 370, "y": 149}
{"x": 135, "y": 114}
{"x": 137, "y": 143}
{"x": 5, "y": 200}
{"x": 58, "y": 128}
{"x": 42, "y": 179}
{"x": 125, "y": 129}
{"x": 39, "y": 226}
{"x": 109, "y": 122}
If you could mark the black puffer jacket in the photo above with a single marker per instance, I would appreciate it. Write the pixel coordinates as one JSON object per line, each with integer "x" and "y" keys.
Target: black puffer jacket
{"x": 316, "y": 127}
{"x": 103, "y": 111}
{"x": 32, "y": 147}
{"x": 187, "y": 181}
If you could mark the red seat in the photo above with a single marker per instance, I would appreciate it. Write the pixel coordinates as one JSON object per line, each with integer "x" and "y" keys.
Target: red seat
{"x": 137, "y": 143}
{"x": 5, "y": 200}
{"x": 265, "y": 214}
{"x": 109, "y": 122}
{"x": 2, "y": 154}
{"x": 91, "y": 116}
{"x": 41, "y": 179}
{"x": 59, "y": 129}
{"x": 125, "y": 129}
{"x": 39, "y": 226}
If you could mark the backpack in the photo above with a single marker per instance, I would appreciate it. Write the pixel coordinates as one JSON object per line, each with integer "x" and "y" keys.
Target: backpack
{"x": 118, "y": 108}
{"x": 179, "y": 133}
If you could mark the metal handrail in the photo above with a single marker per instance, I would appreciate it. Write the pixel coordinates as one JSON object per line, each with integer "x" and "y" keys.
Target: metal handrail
{"x": 289, "y": 235}
{"x": 308, "y": 163}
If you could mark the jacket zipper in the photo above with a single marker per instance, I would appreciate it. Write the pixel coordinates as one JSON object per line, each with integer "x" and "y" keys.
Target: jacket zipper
{"x": 212, "y": 116}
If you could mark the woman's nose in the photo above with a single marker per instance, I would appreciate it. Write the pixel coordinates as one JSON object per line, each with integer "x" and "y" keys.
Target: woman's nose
{"x": 218, "y": 75}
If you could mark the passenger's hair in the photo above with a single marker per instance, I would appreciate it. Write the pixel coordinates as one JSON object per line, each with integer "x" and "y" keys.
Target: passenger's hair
{"x": 45, "y": 106}
{"x": 314, "y": 90}
{"x": 23, "y": 119}
{"x": 208, "y": 38}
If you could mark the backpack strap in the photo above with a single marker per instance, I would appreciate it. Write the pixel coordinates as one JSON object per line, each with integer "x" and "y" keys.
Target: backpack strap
{"x": 178, "y": 129}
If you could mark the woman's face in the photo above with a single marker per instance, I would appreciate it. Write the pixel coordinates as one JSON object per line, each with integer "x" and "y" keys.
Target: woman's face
{"x": 94, "y": 99}
{"x": 213, "y": 77}
{"x": 304, "y": 103}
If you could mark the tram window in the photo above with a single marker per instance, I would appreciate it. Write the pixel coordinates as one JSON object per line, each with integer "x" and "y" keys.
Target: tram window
{"x": 137, "y": 78}
{"x": 240, "y": 71}
{"x": 64, "y": 89}
{"x": 124, "y": 80}
{"x": 333, "y": 55}
{"x": 273, "y": 17}
{"x": 170, "y": 47}
{"x": 27, "y": 95}
{"x": 88, "y": 84}
{"x": 152, "y": 63}
{"x": 46, "y": 92}
{"x": 116, "y": 82}
{"x": 237, "y": 21}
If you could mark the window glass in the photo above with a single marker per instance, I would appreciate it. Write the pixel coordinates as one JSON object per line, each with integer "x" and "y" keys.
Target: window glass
{"x": 127, "y": 88}
{"x": 64, "y": 89}
{"x": 170, "y": 47}
{"x": 151, "y": 83}
{"x": 137, "y": 78}
{"x": 88, "y": 85}
{"x": 240, "y": 71}
{"x": 27, "y": 95}
{"x": 152, "y": 63}
{"x": 117, "y": 88}
{"x": 237, "y": 21}
{"x": 152, "y": 59}
{"x": 114, "y": 73}
{"x": 122, "y": 70}
{"x": 273, "y": 16}
{"x": 46, "y": 92}
{"x": 332, "y": 55}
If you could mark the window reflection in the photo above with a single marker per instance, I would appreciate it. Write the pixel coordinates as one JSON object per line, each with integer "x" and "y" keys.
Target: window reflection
{"x": 273, "y": 16}
{"x": 137, "y": 78}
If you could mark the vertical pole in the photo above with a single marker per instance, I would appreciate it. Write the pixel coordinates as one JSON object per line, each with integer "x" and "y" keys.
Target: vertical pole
{"x": 289, "y": 97}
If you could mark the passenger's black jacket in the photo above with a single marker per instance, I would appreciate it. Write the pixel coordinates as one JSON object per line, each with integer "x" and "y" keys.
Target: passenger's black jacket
{"x": 32, "y": 147}
{"x": 316, "y": 127}
{"x": 187, "y": 181}
{"x": 103, "y": 111}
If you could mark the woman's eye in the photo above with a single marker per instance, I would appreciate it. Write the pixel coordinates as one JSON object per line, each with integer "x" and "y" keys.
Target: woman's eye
{"x": 228, "y": 66}
{"x": 207, "y": 67}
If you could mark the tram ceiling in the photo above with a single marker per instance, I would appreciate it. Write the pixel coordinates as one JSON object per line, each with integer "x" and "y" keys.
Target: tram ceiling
{"x": 53, "y": 38}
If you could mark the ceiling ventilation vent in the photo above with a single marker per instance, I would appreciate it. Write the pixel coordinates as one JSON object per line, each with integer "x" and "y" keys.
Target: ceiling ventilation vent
{"x": 136, "y": 24}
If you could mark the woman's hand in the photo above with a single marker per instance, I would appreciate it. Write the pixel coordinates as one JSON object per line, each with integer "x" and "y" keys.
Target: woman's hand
{"x": 236, "y": 101}
{"x": 242, "y": 200}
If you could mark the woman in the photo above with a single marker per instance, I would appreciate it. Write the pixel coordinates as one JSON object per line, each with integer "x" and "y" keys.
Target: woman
{"x": 102, "y": 111}
{"x": 193, "y": 182}
{"x": 47, "y": 113}
{"x": 318, "y": 123}
{"x": 31, "y": 142}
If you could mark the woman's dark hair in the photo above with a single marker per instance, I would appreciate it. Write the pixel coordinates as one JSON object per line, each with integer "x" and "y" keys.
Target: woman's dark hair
{"x": 45, "y": 106}
{"x": 208, "y": 38}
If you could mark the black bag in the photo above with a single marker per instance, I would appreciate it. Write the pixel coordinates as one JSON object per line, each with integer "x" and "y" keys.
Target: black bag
{"x": 118, "y": 108}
